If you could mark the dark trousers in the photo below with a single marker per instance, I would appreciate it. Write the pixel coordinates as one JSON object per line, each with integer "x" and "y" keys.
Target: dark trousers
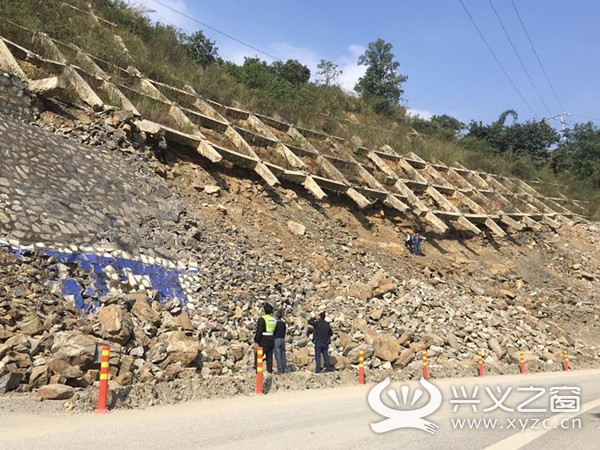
{"x": 280, "y": 355}
{"x": 417, "y": 248}
{"x": 267, "y": 356}
{"x": 322, "y": 348}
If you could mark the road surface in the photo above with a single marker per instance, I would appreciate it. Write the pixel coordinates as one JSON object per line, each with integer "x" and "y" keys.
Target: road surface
{"x": 335, "y": 418}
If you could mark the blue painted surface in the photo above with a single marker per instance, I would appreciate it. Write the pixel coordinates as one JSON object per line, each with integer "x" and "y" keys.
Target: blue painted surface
{"x": 86, "y": 290}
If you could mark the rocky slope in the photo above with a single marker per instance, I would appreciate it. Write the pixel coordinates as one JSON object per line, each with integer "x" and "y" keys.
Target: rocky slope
{"x": 536, "y": 292}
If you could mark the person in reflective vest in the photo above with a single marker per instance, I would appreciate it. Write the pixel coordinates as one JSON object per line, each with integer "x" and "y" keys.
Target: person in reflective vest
{"x": 264, "y": 336}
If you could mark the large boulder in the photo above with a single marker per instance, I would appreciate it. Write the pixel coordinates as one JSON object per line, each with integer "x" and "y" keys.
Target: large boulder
{"x": 361, "y": 291}
{"x": 561, "y": 335}
{"x": 31, "y": 325}
{"x": 386, "y": 347}
{"x": 10, "y": 381}
{"x": 405, "y": 358}
{"x": 76, "y": 348}
{"x": 55, "y": 392}
{"x": 115, "y": 323}
{"x": 157, "y": 354}
{"x": 338, "y": 362}
{"x": 64, "y": 369}
{"x": 144, "y": 312}
{"x": 39, "y": 376}
{"x": 302, "y": 357}
{"x": 495, "y": 347}
{"x": 237, "y": 350}
{"x": 183, "y": 321}
{"x": 180, "y": 347}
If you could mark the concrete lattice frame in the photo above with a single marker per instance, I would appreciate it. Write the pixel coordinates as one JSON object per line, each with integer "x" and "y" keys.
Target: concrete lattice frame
{"x": 459, "y": 198}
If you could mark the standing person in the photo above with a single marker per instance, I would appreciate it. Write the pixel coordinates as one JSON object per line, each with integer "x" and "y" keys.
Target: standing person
{"x": 264, "y": 336}
{"x": 408, "y": 243}
{"x": 417, "y": 243}
{"x": 161, "y": 147}
{"x": 279, "y": 334}
{"x": 322, "y": 338}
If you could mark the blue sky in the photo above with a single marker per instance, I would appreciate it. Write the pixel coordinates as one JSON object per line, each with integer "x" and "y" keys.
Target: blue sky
{"x": 450, "y": 70}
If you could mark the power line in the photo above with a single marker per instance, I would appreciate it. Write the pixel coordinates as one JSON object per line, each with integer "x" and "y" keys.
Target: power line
{"x": 217, "y": 31}
{"x": 562, "y": 108}
{"x": 497, "y": 60}
{"x": 519, "y": 57}
{"x": 585, "y": 117}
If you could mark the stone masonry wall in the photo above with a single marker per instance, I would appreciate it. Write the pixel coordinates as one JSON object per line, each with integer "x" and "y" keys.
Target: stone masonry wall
{"x": 14, "y": 101}
{"x": 107, "y": 225}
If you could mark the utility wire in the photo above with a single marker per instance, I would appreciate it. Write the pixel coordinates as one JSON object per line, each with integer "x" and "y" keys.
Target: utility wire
{"x": 519, "y": 57}
{"x": 497, "y": 60}
{"x": 562, "y": 108}
{"x": 217, "y": 31}
{"x": 585, "y": 117}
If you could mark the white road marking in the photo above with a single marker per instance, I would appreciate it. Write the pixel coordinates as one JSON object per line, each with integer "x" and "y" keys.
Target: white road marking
{"x": 521, "y": 439}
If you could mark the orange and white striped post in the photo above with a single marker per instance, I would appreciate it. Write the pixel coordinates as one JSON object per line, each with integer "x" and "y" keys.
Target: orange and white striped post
{"x": 103, "y": 392}
{"x": 259, "y": 371}
{"x": 522, "y": 361}
{"x": 361, "y": 366}
{"x": 480, "y": 362}
{"x": 425, "y": 370}
{"x": 566, "y": 360}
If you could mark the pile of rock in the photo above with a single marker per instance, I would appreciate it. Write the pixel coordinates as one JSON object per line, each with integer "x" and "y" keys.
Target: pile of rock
{"x": 305, "y": 266}
{"x": 46, "y": 345}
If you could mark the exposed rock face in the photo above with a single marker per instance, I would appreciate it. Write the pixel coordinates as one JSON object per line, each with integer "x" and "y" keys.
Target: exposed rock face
{"x": 248, "y": 253}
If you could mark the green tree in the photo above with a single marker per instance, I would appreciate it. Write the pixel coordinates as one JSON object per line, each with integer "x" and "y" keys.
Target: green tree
{"x": 380, "y": 86}
{"x": 200, "y": 48}
{"x": 254, "y": 73}
{"x": 328, "y": 73}
{"x": 448, "y": 123}
{"x": 580, "y": 153}
{"x": 292, "y": 70}
{"x": 531, "y": 138}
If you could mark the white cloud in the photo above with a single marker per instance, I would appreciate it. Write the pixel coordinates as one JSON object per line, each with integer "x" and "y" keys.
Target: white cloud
{"x": 346, "y": 62}
{"x": 351, "y": 71}
{"x": 160, "y": 13}
{"x": 423, "y": 113}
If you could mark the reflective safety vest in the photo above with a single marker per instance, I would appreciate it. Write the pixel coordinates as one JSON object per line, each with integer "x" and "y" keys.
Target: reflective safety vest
{"x": 270, "y": 323}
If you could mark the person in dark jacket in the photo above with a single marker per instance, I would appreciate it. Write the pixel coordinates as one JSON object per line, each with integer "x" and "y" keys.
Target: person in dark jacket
{"x": 161, "y": 147}
{"x": 264, "y": 336}
{"x": 322, "y": 338}
{"x": 417, "y": 243}
{"x": 279, "y": 335}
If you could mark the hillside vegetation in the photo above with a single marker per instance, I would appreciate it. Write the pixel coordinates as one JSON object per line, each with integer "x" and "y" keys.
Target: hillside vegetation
{"x": 530, "y": 150}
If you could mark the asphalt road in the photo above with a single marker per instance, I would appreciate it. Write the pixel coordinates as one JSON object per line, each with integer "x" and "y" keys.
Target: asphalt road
{"x": 336, "y": 418}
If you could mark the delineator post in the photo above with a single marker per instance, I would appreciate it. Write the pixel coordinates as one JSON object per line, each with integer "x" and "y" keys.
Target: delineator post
{"x": 361, "y": 366}
{"x": 425, "y": 369}
{"x": 566, "y": 360}
{"x": 480, "y": 362}
{"x": 103, "y": 392}
{"x": 259, "y": 371}
{"x": 522, "y": 361}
